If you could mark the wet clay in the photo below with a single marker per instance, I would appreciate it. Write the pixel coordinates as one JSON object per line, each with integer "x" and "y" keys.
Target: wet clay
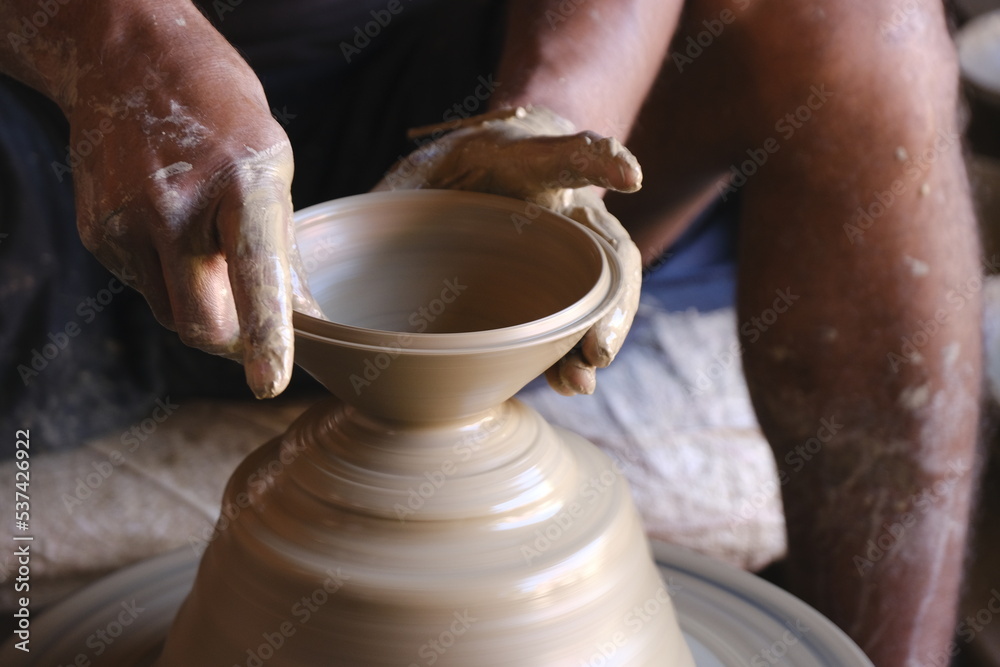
{"x": 532, "y": 153}
{"x": 423, "y": 516}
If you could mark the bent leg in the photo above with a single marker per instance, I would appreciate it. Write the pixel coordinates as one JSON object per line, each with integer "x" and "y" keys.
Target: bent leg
{"x": 860, "y": 226}
{"x": 859, "y": 285}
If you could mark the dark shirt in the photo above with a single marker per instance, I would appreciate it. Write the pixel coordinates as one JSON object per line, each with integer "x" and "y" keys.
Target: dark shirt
{"x": 277, "y": 34}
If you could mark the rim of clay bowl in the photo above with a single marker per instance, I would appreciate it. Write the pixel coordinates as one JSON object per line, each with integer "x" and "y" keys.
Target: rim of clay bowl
{"x": 576, "y": 317}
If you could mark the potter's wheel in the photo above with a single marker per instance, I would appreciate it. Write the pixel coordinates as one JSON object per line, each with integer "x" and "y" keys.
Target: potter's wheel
{"x": 729, "y": 618}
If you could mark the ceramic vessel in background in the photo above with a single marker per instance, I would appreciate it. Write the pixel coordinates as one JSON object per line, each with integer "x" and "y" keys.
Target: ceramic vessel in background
{"x": 423, "y": 516}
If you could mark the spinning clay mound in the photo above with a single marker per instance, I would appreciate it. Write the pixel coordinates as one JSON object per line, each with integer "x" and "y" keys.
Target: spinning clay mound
{"x": 423, "y": 517}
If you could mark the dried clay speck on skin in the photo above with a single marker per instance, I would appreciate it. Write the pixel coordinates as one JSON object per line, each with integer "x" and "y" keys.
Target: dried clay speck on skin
{"x": 179, "y": 127}
{"x": 949, "y": 354}
{"x": 170, "y": 170}
{"x": 918, "y": 267}
{"x": 916, "y": 397}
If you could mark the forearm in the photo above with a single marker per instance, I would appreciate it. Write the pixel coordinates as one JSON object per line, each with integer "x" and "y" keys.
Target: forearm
{"x": 59, "y": 47}
{"x": 591, "y": 61}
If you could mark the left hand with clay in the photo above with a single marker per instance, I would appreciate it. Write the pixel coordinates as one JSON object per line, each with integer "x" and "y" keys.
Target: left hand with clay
{"x": 535, "y": 155}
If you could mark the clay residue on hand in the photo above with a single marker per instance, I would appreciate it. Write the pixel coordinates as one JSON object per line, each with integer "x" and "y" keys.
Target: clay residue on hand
{"x": 532, "y": 153}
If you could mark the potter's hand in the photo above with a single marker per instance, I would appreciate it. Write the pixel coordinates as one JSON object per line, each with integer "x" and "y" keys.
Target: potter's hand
{"x": 532, "y": 154}
{"x": 182, "y": 184}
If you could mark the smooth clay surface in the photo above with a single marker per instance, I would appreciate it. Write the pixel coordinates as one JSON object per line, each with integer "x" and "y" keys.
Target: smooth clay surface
{"x": 404, "y": 523}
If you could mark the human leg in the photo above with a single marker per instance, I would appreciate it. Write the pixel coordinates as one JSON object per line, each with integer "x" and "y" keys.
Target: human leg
{"x": 865, "y": 215}
{"x": 858, "y": 294}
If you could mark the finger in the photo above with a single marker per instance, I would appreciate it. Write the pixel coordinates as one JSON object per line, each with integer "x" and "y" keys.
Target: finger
{"x": 578, "y": 160}
{"x": 303, "y": 300}
{"x": 135, "y": 262}
{"x": 201, "y": 301}
{"x": 605, "y": 338}
{"x": 572, "y": 375}
{"x": 147, "y": 279}
{"x": 253, "y": 227}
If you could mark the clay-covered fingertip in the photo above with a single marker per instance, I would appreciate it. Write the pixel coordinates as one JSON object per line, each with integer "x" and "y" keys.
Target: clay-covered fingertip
{"x": 267, "y": 378}
{"x": 578, "y": 375}
{"x": 597, "y": 352}
{"x": 556, "y": 382}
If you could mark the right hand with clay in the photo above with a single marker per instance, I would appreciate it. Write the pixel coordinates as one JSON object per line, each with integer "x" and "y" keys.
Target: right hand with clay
{"x": 182, "y": 179}
{"x": 533, "y": 154}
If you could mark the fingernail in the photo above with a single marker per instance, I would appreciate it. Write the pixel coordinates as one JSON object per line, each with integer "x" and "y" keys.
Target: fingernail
{"x": 265, "y": 377}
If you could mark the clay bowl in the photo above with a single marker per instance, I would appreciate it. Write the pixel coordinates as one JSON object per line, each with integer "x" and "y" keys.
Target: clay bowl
{"x": 442, "y": 303}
